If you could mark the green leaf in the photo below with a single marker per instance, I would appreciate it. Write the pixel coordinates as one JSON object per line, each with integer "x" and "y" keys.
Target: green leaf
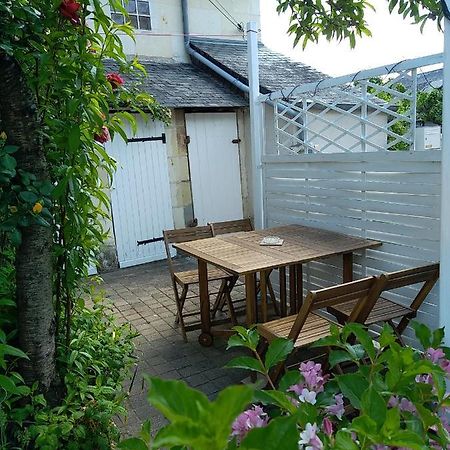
{"x": 29, "y": 197}
{"x": 278, "y": 351}
{"x": 277, "y": 398}
{"x": 73, "y": 139}
{"x": 7, "y": 162}
{"x": 345, "y": 441}
{"x": 281, "y": 433}
{"x": 353, "y": 386}
{"x": 176, "y": 400}
{"x": 363, "y": 337}
{"x": 290, "y": 378}
{"x": 16, "y": 237}
{"x": 247, "y": 363}
{"x": 146, "y": 431}
{"x": 186, "y": 434}
{"x": 339, "y": 356}
{"x": 423, "y": 334}
{"x": 374, "y": 406}
{"x": 13, "y": 351}
{"x": 133, "y": 444}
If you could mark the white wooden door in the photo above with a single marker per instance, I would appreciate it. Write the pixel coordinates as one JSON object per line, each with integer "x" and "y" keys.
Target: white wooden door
{"x": 214, "y": 166}
{"x": 141, "y": 200}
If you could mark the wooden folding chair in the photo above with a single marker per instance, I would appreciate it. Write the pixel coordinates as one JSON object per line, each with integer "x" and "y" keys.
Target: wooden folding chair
{"x": 380, "y": 309}
{"x": 307, "y": 326}
{"x": 186, "y": 278}
{"x": 242, "y": 225}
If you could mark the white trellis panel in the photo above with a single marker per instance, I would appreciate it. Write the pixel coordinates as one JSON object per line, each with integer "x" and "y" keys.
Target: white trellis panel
{"x": 393, "y": 197}
{"x": 369, "y": 111}
{"x": 141, "y": 200}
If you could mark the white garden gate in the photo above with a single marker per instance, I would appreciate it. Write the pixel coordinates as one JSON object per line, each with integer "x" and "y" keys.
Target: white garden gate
{"x": 141, "y": 200}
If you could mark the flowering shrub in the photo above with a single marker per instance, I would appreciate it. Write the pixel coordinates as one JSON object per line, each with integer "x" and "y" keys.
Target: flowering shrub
{"x": 388, "y": 397}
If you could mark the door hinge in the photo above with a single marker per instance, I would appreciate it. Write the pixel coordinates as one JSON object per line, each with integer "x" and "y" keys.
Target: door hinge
{"x": 236, "y": 141}
{"x": 161, "y": 138}
{"x": 187, "y": 140}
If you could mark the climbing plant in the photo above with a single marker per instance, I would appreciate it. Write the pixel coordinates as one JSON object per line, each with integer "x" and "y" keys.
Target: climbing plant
{"x": 55, "y": 117}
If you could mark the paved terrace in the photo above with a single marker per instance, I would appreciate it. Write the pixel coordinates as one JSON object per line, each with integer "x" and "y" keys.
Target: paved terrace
{"x": 143, "y": 297}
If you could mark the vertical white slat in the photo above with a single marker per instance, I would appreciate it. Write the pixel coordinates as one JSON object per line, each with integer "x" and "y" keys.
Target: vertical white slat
{"x": 214, "y": 166}
{"x": 141, "y": 200}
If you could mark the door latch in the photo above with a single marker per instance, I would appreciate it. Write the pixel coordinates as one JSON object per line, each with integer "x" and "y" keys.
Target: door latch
{"x": 236, "y": 141}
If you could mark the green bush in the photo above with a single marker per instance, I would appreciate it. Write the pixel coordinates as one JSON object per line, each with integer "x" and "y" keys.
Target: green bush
{"x": 390, "y": 397}
{"x": 92, "y": 372}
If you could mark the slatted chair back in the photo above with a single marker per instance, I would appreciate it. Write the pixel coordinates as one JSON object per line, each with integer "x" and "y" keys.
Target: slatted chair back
{"x": 183, "y": 235}
{"x": 428, "y": 275}
{"x": 231, "y": 226}
{"x": 362, "y": 290}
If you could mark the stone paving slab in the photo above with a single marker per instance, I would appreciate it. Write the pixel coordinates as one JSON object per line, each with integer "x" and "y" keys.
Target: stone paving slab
{"x": 143, "y": 297}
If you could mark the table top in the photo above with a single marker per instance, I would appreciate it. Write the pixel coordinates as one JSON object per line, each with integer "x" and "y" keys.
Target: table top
{"x": 241, "y": 253}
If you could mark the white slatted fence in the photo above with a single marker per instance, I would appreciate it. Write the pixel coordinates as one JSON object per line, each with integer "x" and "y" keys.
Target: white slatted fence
{"x": 393, "y": 197}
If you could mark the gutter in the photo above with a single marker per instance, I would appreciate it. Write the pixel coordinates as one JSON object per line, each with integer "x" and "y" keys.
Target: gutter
{"x": 205, "y": 61}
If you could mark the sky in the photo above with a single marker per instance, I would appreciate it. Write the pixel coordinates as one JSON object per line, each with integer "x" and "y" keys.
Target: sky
{"x": 393, "y": 39}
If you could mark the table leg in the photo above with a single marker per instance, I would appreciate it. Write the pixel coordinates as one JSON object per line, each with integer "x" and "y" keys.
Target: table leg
{"x": 250, "y": 296}
{"x": 293, "y": 289}
{"x": 205, "y": 337}
{"x": 283, "y": 304}
{"x": 347, "y": 266}
{"x": 263, "y": 286}
{"x": 299, "y": 276}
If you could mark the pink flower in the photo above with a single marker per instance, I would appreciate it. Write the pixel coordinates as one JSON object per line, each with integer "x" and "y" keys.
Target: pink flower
{"x": 327, "y": 426}
{"x": 309, "y": 439}
{"x": 115, "y": 80}
{"x": 337, "y": 409}
{"x": 307, "y": 396}
{"x": 69, "y": 9}
{"x": 434, "y": 354}
{"x": 103, "y": 136}
{"x": 445, "y": 365}
{"x": 246, "y": 421}
{"x": 312, "y": 373}
{"x": 403, "y": 404}
{"x": 313, "y": 380}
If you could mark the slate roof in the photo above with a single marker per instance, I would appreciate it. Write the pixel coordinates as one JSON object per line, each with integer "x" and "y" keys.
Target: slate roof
{"x": 276, "y": 71}
{"x": 182, "y": 85}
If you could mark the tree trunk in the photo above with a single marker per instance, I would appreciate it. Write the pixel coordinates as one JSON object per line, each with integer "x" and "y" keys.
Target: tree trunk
{"x": 19, "y": 119}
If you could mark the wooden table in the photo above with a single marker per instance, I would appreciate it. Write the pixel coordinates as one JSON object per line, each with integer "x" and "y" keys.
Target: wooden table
{"x": 241, "y": 254}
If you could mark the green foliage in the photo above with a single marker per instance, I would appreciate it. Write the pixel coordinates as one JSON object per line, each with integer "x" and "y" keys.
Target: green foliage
{"x": 345, "y": 19}
{"x": 195, "y": 422}
{"x": 94, "y": 368}
{"x": 429, "y": 106}
{"x": 383, "y": 410}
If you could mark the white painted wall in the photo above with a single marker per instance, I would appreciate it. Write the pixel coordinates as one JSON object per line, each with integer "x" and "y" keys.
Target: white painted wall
{"x": 166, "y": 37}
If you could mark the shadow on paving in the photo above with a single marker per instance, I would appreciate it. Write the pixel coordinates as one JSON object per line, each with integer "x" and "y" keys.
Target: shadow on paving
{"x": 143, "y": 297}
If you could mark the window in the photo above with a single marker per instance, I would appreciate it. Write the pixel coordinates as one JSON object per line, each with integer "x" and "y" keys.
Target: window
{"x": 138, "y": 14}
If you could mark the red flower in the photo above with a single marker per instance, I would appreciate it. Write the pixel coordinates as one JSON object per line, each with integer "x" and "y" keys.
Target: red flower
{"x": 115, "y": 79}
{"x": 69, "y": 9}
{"x": 104, "y": 136}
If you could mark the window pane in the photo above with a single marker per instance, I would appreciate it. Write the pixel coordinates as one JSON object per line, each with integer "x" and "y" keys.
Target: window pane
{"x": 133, "y": 20}
{"x": 131, "y": 7}
{"x": 118, "y": 18}
{"x": 143, "y": 8}
{"x": 145, "y": 23}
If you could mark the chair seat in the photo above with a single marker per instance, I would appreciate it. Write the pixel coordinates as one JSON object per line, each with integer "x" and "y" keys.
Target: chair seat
{"x": 191, "y": 276}
{"x": 383, "y": 311}
{"x": 315, "y": 327}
